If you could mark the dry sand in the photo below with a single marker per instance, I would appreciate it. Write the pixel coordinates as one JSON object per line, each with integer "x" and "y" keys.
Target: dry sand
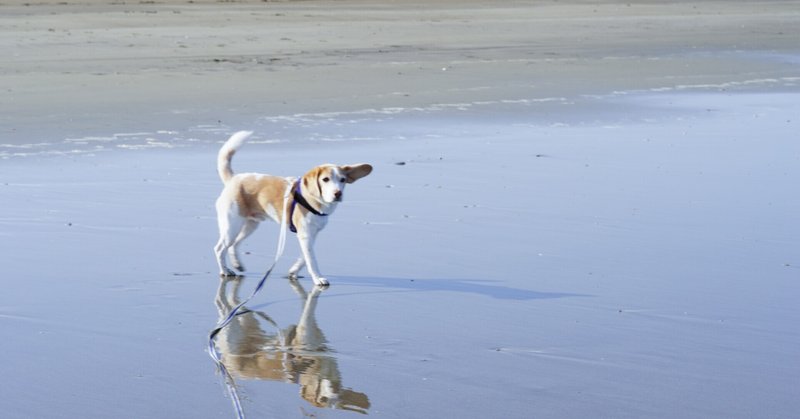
{"x": 595, "y": 214}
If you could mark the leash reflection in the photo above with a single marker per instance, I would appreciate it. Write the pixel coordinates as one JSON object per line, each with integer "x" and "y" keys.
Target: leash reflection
{"x": 295, "y": 354}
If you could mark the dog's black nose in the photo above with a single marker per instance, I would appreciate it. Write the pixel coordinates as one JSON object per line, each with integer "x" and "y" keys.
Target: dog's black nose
{"x": 338, "y": 195}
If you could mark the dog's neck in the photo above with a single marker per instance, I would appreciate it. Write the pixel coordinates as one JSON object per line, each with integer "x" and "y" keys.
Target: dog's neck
{"x": 313, "y": 203}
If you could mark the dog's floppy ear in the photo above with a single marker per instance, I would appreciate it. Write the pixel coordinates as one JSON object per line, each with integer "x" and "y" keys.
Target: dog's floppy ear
{"x": 354, "y": 172}
{"x": 311, "y": 182}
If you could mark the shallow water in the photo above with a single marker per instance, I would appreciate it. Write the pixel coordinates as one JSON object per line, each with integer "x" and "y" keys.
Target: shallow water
{"x": 633, "y": 267}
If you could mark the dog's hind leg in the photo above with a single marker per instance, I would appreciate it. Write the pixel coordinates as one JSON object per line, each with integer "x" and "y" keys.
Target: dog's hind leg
{"x": 248, "y": 229}
{"x": 219, "y": 251}
{"x": 295, "y": 270}
{"x": 230, "y": 225}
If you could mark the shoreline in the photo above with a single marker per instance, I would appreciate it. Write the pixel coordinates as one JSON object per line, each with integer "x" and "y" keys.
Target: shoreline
{"x": 404, "y": 124}
{"x": 187, "y": 65}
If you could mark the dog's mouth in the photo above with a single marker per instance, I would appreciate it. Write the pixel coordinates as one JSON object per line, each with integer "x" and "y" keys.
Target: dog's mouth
{"x": 337, "y": 199}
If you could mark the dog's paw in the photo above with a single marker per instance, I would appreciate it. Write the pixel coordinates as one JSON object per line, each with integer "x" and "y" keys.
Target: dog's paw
{"x": 239, "y": 267}
{"x": 227, "y": 273}
{"x": 321, "y": 282}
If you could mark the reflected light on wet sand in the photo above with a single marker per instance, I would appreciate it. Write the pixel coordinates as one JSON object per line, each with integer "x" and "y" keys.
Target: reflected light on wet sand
{"x": 254, "y": 347}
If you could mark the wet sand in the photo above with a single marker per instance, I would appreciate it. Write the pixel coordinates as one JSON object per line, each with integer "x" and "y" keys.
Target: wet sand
{"x": 577, "y": 210}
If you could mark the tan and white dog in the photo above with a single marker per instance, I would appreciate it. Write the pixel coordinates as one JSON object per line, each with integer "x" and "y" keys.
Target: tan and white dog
{"x": 249, "y": 198}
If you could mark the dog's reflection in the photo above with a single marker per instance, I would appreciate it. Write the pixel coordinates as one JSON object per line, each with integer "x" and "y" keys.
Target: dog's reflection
{"x": 295, "y": 354}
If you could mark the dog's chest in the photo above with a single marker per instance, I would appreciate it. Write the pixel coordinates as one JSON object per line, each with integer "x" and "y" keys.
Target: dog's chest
{"x": 315, "y": 222}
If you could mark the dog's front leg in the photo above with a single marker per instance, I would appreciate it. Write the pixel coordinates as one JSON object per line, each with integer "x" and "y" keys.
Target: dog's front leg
{"x": 307, "y": 247}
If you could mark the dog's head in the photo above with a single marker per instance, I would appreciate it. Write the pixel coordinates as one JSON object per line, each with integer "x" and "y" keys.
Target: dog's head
{"x": 326, "y": 182}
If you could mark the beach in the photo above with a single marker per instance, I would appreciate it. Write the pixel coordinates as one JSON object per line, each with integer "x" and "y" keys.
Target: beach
{"x": 577, "y": 209}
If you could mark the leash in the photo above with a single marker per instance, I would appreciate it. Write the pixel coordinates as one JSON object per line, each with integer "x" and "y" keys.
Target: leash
{"x": 236, "y": 311}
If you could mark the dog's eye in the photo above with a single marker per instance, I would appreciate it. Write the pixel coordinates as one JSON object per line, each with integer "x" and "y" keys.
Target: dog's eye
{"x": 344, "y": 180}
{"x": 326, "y": 179}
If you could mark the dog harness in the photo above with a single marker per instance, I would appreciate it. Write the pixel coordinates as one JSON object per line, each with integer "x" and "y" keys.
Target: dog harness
{"x": 299, "y": 199}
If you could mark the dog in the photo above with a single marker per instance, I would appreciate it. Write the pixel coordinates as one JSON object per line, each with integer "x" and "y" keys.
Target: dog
{"x": 249, "y": 198}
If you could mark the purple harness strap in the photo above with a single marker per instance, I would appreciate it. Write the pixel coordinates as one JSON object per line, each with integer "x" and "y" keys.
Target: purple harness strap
{"x": 299, "y": 199}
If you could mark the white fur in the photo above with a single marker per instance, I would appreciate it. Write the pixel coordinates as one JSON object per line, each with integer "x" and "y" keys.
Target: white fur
{"x": 265, "y": 194}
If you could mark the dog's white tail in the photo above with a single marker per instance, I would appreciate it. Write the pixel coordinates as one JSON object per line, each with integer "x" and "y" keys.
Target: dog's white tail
{"x": 226, "y": 154}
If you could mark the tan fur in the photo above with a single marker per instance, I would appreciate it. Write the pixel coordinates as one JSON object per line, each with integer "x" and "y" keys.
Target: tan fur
{"x": 310, "y": 185}
{"x": 255, "y": 194}
{"x": 356, "y": 172}
{"x": 224, "y": 164}
{"x": 250, "y": 198}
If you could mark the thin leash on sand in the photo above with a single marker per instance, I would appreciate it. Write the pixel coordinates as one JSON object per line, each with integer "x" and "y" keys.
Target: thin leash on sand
{"x": 236, "y": 311}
